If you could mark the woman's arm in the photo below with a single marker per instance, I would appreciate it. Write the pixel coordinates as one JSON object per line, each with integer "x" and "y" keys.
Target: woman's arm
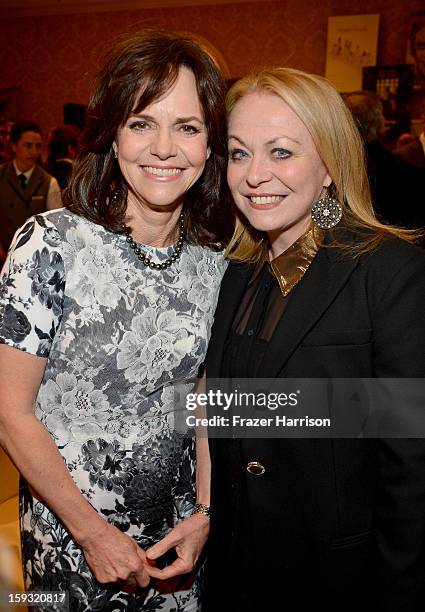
{"x": 111, "y": 555}
{"x": 203, "y": 470}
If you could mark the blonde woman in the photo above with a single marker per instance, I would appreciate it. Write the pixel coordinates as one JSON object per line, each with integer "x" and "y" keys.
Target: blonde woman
{"x": 316, "y": 288}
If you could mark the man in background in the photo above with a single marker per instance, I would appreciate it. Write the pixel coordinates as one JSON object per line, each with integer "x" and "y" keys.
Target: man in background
{"x": 414, "y": 152}
{"x": 397, "y": 187}
{"x": 25, "y": 188}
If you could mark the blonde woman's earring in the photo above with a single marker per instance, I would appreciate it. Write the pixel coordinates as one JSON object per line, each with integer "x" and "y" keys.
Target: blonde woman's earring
{"x": 326, "y": 212}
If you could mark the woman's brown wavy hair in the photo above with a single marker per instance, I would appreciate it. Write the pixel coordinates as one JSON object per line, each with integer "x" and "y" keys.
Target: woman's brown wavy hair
{"x": 136, "y": 72}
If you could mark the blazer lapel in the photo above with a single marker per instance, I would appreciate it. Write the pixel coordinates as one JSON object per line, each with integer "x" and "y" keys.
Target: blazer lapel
{"x": 320, "y": 285}
{"x": 233, "y": 285}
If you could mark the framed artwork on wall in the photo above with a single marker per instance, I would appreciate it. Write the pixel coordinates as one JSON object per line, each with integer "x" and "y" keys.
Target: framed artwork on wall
{"x": 352, "y": 44}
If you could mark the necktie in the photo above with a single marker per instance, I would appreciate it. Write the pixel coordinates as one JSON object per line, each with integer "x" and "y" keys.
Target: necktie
{"x": 23, "y": 180}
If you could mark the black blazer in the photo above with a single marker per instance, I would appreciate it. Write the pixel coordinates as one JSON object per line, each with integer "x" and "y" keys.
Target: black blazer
{"x": 339, "y": 522}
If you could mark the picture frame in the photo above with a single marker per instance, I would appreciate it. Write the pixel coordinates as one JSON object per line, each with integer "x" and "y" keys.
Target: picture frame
{"x": 352, "y": 43}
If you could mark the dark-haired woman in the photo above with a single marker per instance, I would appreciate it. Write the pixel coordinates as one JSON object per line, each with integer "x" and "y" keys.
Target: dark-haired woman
{"x": 103, "y": 307}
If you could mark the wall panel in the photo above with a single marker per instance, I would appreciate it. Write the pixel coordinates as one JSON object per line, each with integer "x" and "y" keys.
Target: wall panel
{"x": 53, "y": 59}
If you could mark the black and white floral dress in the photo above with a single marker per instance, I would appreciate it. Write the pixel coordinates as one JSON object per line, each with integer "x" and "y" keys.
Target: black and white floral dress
{"x": 116, "y": 336}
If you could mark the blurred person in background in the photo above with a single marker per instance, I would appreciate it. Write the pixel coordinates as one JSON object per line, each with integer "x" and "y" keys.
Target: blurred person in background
{"x": 63, "y": 145}
{"x": 25, "y": 188}
{"x": 396, "y": 186}
{"x": 404, "y": 139}
{"x": 414, "y": 152}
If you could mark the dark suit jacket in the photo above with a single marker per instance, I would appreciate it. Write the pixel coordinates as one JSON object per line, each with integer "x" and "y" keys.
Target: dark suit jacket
{"x": 17, "y": 205}
{"x": 337, "y": 522}
{"x": 413, "y": 154}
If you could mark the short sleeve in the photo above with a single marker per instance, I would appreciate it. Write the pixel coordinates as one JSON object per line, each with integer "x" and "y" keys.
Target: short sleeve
{"x": 32, "y": 285}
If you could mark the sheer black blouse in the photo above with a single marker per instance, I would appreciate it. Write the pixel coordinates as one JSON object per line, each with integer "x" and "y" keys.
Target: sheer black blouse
{"x": 254, "y": 324}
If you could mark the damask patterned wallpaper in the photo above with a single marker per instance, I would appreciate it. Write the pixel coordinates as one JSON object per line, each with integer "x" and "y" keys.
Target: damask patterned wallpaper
{"x": 53, "y": 59}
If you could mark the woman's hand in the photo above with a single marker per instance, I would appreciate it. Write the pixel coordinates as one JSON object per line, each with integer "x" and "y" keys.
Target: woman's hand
{"x": 188, "y": 538}
{"x": 115, "y": 557}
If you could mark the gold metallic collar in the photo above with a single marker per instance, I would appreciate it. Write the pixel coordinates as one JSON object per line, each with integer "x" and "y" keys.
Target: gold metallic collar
{"x": 292, "y": 264}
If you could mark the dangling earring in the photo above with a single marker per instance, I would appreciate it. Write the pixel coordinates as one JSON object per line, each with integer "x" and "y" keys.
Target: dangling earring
{"x": 326, "y": 212}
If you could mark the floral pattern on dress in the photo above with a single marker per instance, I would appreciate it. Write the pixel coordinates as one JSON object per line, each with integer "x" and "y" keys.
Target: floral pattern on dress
{"x": 198, "y": 278}
{"x": 74, "y": 408}
{"x": 14, "y": 324}
{"x": 117, "y": 336}
{"x": 47, "y": 278}
{"x": 96, "y": 270}
{"x": 155, "y": 345}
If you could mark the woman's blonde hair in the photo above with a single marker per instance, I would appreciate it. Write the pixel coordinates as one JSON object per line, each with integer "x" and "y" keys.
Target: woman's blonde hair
{"x": 333, "y": 130}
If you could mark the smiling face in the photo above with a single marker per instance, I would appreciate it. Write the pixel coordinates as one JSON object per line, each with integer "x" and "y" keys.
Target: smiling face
{"x": 162, "y": 150}
{"x": 27, "y": 150}
{"x": 275, "y": 173}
